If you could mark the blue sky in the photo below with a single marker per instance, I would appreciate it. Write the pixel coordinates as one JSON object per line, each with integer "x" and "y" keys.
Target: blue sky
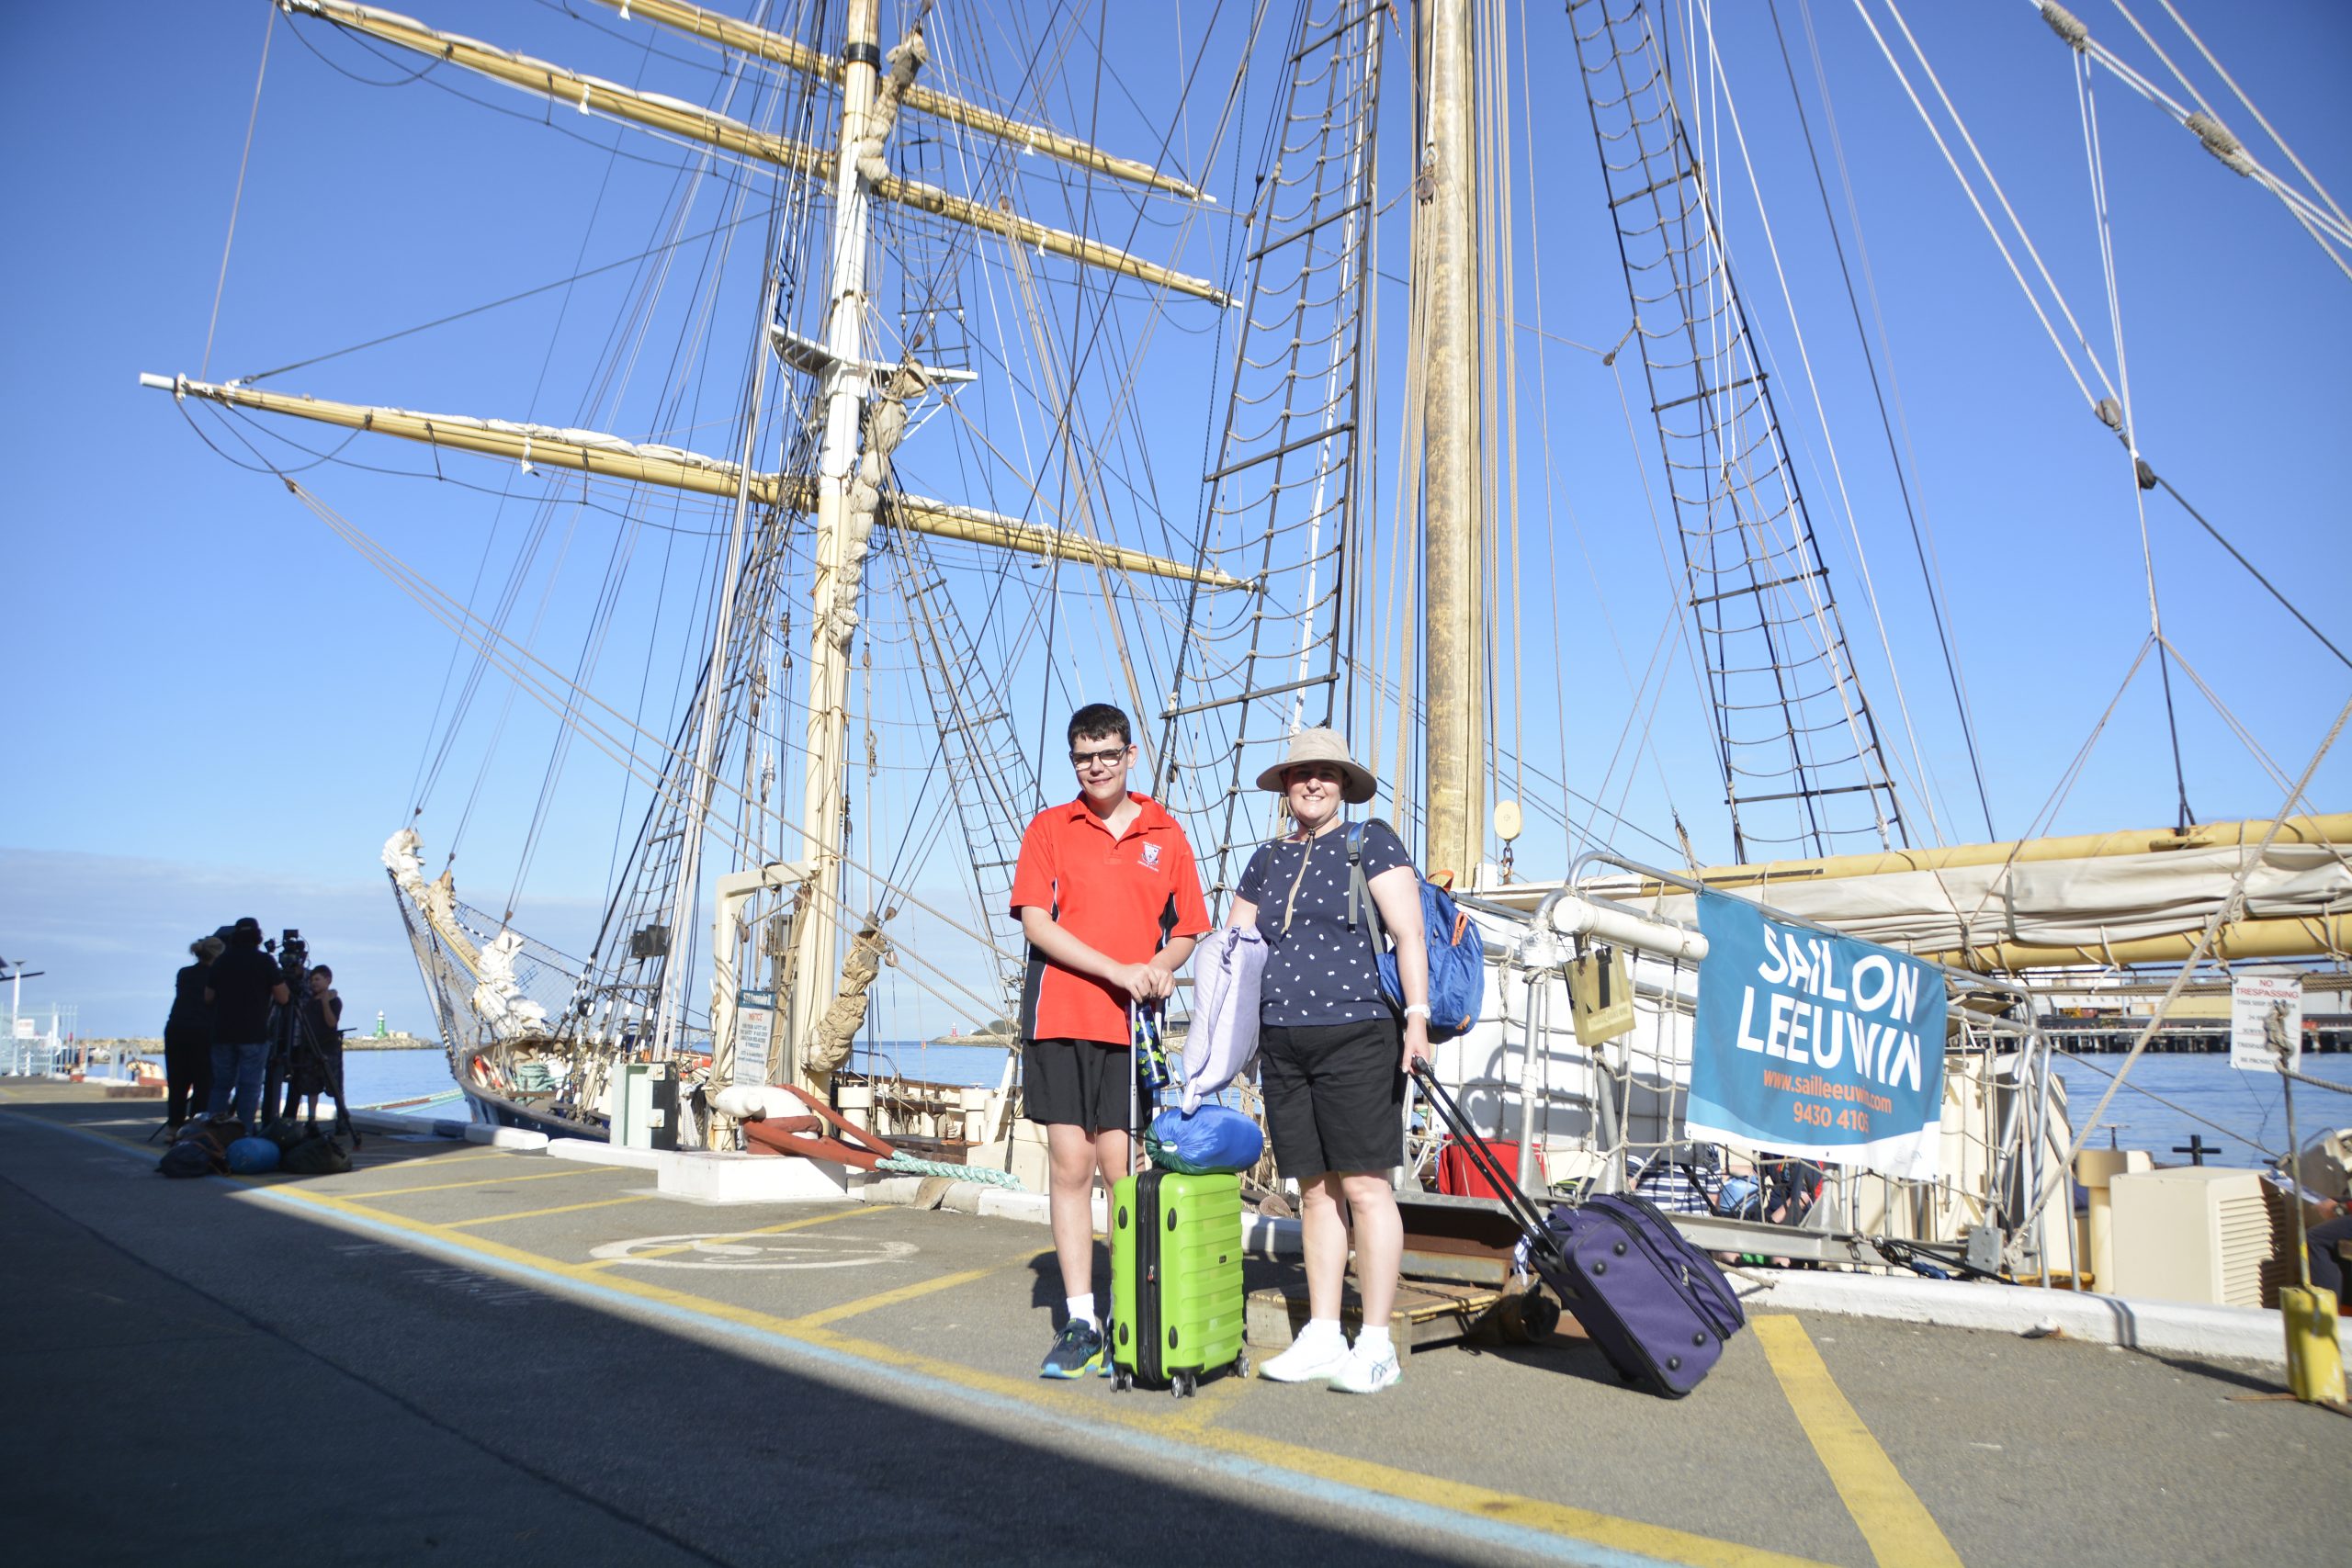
{"x": 219, "y": 709}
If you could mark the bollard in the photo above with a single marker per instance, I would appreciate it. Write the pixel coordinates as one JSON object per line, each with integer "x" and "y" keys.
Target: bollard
{"x": 2315, "y": 1362}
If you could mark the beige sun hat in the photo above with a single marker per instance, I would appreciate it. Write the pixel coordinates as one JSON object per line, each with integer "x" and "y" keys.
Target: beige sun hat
{"x": 1322, "y": 744}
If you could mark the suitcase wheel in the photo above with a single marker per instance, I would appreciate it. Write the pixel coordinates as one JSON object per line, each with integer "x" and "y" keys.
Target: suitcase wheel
{"x": 1242, "y": 1362}
{"x": 1121, "y": 1379}
{"x": 1528, "y": 1318}
{"x": 1184, "y": 1384}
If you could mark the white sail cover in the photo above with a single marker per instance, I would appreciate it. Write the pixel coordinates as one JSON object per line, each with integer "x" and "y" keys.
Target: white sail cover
{"x": 2087, "y": 902}
{"x": 499, "y": 1001}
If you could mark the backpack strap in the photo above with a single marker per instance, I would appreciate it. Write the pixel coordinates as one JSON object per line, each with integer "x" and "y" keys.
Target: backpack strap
{"x": 1360, "y": 891}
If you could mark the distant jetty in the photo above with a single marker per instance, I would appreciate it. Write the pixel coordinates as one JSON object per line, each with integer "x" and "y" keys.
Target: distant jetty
{"x": 150, "y": 1045}
{"x": 999, "y": 1032}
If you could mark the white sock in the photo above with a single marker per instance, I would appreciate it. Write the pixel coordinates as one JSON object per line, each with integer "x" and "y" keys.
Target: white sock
{"x": 1373, "y": 1341}
{"x": 1319, "y": 1329}
{"x": 1082, "y": 1310}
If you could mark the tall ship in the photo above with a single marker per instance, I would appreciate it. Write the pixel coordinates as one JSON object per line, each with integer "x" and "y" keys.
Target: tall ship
{"x": 980, "y": 362}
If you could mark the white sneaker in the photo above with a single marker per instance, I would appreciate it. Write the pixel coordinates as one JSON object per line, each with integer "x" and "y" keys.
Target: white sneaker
{"x": 1310, "y": 1358}
{"x": 1367, "y": 1371}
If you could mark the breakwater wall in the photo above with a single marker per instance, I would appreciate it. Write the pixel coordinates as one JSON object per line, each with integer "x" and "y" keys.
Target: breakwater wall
{"x": 152, "y": 1046}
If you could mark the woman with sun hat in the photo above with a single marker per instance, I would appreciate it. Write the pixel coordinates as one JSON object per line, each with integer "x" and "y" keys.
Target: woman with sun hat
{"x": 1332, "y": 1052}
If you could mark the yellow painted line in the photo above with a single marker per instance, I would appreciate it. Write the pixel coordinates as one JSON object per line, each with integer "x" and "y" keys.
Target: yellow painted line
{"x": 1216, "y": 1399}
{"x": 1896, "y": 1524}
{"x": 1529, "y": 1513}
{"x": 491, "y": 1181}
{"x": 920, "y": 1287}
{"x": 558, "y": 1208}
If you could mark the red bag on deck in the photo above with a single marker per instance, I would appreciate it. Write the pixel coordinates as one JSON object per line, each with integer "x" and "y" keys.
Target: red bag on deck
{"x": 1458, "y": 1175}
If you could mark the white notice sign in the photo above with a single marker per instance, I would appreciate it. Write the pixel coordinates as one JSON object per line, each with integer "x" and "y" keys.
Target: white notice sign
{"x": 28, "y": 1028}
{"x": 2254, "y": 1000}
{"x": 754, "y": 1028}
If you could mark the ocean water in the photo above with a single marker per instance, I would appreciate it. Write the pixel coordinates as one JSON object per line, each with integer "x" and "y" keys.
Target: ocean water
{"x": 2250, "y": 1107}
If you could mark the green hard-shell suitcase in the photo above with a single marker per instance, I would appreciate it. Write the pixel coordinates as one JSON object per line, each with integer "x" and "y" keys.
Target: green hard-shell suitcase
{"x": 1176, "y": 1298}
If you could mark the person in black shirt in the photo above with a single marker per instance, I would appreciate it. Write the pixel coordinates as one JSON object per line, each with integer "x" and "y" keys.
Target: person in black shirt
{"x": 188, "y": 1036}
{"x": 316, "y": 1065}
{"x": 240, "y": 990}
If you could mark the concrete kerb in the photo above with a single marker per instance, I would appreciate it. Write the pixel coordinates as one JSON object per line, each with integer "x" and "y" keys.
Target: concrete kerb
{"x": 415, "y": 1126}
{"x": 2182, "y": 1328}
{"x": 393, "y": 1122}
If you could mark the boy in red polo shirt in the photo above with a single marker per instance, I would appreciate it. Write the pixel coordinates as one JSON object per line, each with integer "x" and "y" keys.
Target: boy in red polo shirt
{"x": 1107, "y": 894}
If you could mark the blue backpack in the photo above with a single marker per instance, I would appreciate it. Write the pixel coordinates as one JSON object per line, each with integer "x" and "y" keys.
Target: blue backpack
{"x": 1457, "y": 952}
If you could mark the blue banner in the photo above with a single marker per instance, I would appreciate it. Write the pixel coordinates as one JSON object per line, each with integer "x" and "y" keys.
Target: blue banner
{"x": 1816, "y": 1045}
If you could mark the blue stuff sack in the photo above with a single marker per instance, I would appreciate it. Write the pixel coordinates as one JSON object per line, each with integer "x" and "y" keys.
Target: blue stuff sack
{"x": 251, "y": 1156}
{"x": 1457, "y": 952}
{"x": 1216, "y": 1138}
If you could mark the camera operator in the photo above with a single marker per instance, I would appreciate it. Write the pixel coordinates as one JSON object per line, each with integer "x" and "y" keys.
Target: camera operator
{"x": 318, "y": 1048}
{"x": 279, "y": 1095}
{"x": 240, "y": 987}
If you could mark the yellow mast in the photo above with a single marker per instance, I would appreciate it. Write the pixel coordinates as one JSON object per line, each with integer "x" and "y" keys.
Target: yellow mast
{"x": 791, "y": 53}
{"x": 2335, "y": 828}
{"x": 1455, "y": 798}
{"x": 2280, "y": 937}
{"x": 2277, "y": 936}
{"x": 609, "y": 456}
{"x": 676, "y": 117}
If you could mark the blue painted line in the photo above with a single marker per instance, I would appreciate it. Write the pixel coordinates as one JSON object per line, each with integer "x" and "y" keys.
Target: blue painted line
{"x": 1343, "y": 1501}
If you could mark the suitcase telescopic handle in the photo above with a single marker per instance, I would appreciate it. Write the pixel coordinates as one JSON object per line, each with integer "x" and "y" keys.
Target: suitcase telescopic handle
{"x": 1531, "y": 1220}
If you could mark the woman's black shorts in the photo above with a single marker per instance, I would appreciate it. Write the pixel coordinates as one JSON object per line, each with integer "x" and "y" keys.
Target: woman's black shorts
{"x": 1083, "y": 1082}
{"x": 1335, "y": 1097}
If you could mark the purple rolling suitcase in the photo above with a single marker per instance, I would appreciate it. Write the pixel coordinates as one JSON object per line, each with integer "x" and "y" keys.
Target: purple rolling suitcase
{"x": 1657, "y": 1306}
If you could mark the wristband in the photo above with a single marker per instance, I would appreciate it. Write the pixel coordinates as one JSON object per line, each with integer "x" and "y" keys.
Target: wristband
{"x": 1421, "y": 1007}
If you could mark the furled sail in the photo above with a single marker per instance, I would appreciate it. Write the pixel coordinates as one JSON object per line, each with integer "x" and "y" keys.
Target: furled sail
{"x": 2104, "y": 898}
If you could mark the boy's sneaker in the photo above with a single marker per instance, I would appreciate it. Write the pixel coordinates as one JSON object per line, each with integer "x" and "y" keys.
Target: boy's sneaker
{"x": 1076, "y": 1351}
{"x": 1368, "y": 1372}
{"x": 1312, "y": 1357}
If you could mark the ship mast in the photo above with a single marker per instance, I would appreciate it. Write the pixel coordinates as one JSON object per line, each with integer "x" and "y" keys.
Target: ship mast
{"x": 1454, "y": 795}
{"x": 840, "y": 552}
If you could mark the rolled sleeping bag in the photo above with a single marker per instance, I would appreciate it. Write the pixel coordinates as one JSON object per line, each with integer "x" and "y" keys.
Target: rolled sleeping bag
{"x": 251, "y": 1156}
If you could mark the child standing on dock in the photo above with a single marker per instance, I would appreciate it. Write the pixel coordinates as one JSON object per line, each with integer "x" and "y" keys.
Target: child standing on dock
{"x": 1108, "y": 897}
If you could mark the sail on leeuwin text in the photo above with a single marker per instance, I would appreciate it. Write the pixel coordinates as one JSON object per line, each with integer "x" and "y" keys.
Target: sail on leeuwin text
{"x": 1813, "y": 1044}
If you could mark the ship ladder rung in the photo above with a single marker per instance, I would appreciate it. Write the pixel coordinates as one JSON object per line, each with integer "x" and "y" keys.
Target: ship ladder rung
{"x": 1706, "y": 391}
{"x": 1288, "y": 447}
{"x": 1321, "y": 221}
{"x": 1673, "y": 179}
{"x": 1323, "y": 680}
{"x": 1360, "y": 16}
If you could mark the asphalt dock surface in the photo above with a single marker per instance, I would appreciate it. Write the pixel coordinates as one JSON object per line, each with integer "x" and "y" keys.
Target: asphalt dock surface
{"x": 462, "y": 1355}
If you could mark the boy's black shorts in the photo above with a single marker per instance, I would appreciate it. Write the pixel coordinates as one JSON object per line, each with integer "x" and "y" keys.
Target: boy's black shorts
{"x": 1335, "y": 1097}
{"x": 1083, "y": 1082}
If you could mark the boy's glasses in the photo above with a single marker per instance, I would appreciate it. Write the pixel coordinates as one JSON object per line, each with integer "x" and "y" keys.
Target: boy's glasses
{"x": 1082, "y": 760}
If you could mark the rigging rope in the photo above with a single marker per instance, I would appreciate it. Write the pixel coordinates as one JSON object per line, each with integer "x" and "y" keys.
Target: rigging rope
{"x": 2227, "y": 910}
{"x": 1878, "y": 392}
{"x": 2251, "y": 570}
{"x": 2126, "y": 421}
{"x": 1832, "y": 643}
{"x": 237, "y": 201}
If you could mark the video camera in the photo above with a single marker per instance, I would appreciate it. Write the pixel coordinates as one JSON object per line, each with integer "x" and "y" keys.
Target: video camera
{"x": 293, "y": 958}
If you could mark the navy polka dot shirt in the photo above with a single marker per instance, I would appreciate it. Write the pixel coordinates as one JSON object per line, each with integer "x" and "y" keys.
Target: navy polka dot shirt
{"x": 1318, "y": 971}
